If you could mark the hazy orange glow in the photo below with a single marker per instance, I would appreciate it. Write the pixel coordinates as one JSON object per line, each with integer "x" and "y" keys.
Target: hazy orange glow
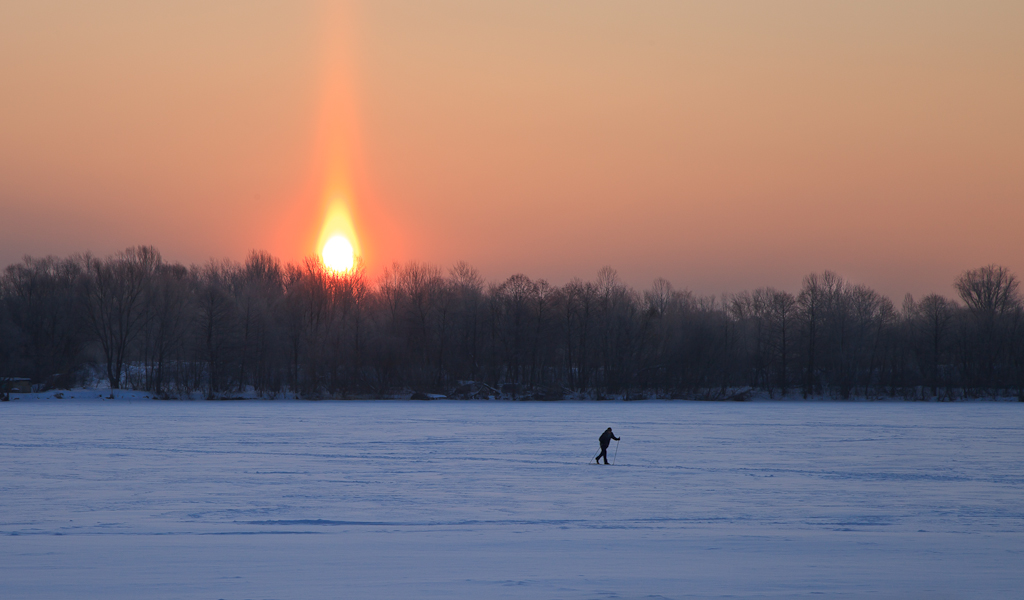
{"x": 325, "y": 206}
{"x": 333, "y": 203}
{"x": 723, "y": 145}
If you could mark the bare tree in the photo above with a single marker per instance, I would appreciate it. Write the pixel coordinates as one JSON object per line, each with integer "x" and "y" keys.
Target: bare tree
{"x": 783, "y": 310}
{"x": 169, "y": 306}
{"x": 577, "y": 309}
{"x": 514, "y": 324}
{"x": 810, "y": 302}
{"x": 424, "y": 292}
{"x": 259, "y": 292}
{"x": 217, "y": 342}
{"x": 349, "y": 331}
{"x": 467, "y": 289}
{"x": 114, "y": 291}
{"x": 989, "y": 291}
{"x": 11, "y": 360}
{"x": 43, "y": 307}
{"x": 873, "y": 317}
{"x": 992, "y": 299}
{"x": 931, "y": 321}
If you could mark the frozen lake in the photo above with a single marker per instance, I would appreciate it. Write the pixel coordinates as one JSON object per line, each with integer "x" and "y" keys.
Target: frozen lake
{"x": 304, "y": 500}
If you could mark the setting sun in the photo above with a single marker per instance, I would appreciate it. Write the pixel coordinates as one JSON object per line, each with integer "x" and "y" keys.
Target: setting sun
{"x": 339, "y": 243}
{"x": 338, "y": 254}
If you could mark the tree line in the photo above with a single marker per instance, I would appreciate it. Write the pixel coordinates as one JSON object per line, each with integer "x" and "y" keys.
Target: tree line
{"x": 224, "y": 328}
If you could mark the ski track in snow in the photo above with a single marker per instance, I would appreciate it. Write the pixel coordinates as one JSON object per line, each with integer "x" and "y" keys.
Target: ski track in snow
{"x": 249, "y": 499}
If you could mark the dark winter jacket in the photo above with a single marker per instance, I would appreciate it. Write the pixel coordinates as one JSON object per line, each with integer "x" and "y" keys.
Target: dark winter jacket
{"x": 606, "y": 438}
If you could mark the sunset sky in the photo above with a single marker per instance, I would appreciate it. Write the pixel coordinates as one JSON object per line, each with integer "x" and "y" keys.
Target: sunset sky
{"x": 723, "y": 145}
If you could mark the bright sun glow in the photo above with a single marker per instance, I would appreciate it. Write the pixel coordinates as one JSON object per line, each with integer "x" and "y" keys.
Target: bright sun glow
{"x": 338, "y": 254}
{"x": 339, "y": 244}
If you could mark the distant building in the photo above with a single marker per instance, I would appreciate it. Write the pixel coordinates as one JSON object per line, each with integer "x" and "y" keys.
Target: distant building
{"x": 16, "y": 385}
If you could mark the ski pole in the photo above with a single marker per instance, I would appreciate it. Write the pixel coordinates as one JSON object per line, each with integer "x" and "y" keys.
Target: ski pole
{"x": 616, "y": 451}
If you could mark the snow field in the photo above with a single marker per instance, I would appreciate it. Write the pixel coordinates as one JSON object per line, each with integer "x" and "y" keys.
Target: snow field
{"x": 390, "y": 499}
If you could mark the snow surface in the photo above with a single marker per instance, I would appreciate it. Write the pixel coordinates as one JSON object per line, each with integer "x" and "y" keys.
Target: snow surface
{"x": 397, "y": 499}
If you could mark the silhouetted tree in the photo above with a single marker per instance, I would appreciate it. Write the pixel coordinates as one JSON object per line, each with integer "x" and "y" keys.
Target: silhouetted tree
{"x": 810, "y": 302}
{"x": 113, "y": 295}
{"x": 169, "y": 304}
{"x": 46, "y": 336}
{"x": 931, "y": 322}
{"x": 992, "y": 299}
{"x": 263, "y": 327}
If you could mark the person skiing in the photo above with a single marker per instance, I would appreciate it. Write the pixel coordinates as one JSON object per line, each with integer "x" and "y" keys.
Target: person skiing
{"x": 605, "y": 439}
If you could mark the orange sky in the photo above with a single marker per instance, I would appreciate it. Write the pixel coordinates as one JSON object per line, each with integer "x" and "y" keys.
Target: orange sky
{"x": 722, "y": 145}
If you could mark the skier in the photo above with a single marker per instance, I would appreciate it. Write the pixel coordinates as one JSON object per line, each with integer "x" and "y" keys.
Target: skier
{"x": 605, "y": 439}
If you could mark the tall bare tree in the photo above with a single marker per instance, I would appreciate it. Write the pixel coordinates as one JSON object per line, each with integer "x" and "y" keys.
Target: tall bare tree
{"x": 992, "y": 299}
{"x": 114, "y": 291}
{"x": 44, "y": 308}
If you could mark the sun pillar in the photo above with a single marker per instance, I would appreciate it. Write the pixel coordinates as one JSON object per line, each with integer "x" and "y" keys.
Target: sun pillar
{"x": 338, "y": 142}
